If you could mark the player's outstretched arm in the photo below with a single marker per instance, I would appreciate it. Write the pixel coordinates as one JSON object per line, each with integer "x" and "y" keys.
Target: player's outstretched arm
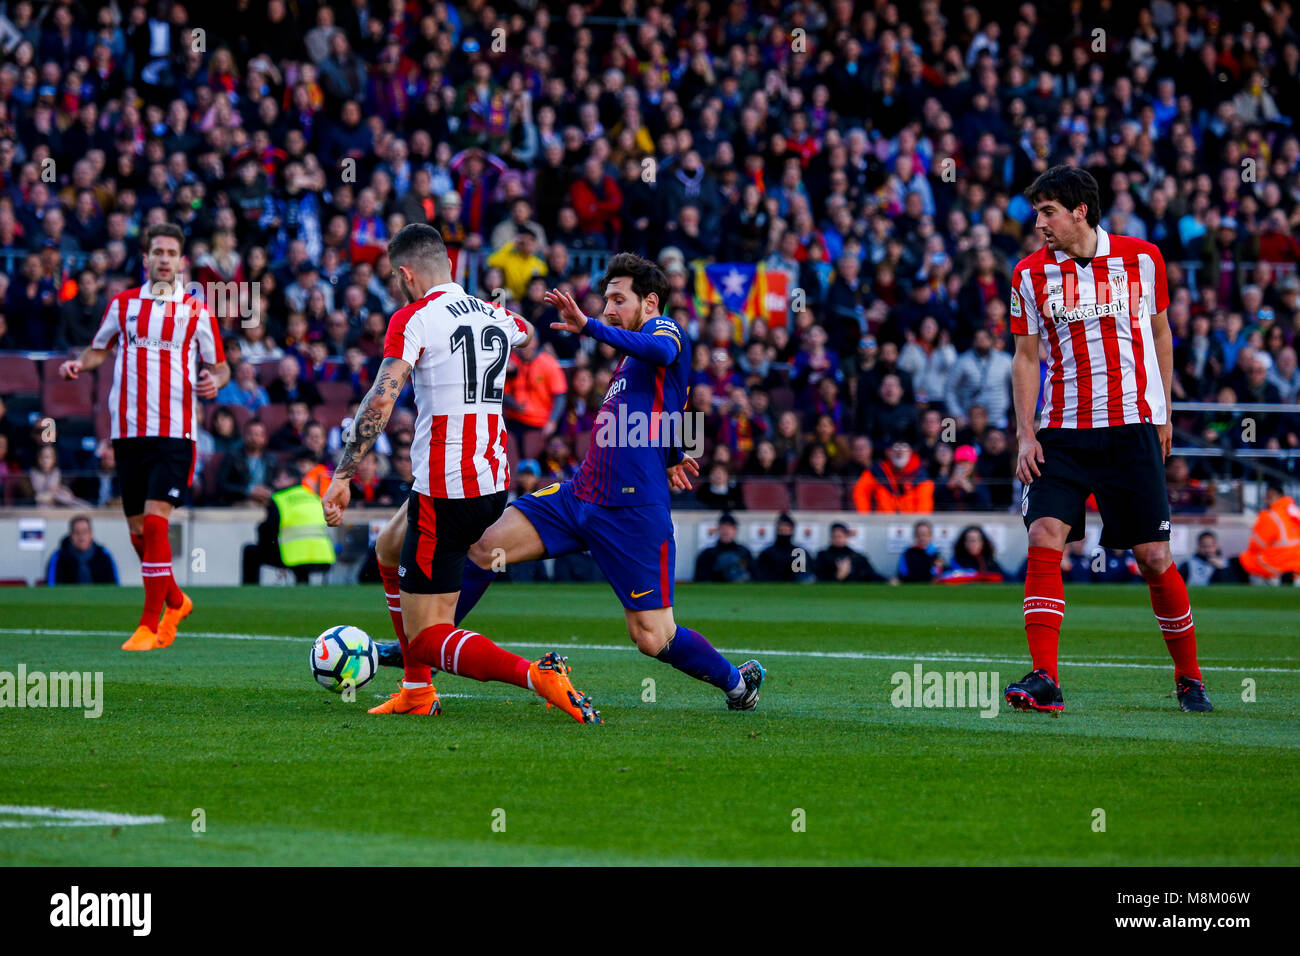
{"x": 90, "y": 358}
{"x": 659, "y": 346}
{"x": 1025, "y": 382}
{"x": 371, "y": 419}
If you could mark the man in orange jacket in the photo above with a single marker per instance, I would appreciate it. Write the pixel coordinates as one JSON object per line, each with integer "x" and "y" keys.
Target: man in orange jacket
{"x": 903, "y": 486}
{"x": 1274, "y": 547}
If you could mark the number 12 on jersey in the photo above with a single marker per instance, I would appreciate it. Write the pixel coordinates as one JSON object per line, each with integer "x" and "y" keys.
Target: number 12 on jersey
{"x": 497, "y": 347}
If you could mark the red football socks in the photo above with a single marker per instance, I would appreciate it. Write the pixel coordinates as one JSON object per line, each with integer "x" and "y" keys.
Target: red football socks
{"x": 413, "y": 672}
{"x": 1044, "y": 607}
{"x": 458, "y": 651}
{"x": 156, "y": 569}
{"x": 1173, "y": 612}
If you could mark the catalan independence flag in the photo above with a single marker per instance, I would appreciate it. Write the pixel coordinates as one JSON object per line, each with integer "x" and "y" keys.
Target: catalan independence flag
{"x": 746, "y": 290}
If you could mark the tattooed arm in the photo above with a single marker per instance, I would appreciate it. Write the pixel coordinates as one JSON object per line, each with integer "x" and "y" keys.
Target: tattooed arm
{"x": 371, "y": 418}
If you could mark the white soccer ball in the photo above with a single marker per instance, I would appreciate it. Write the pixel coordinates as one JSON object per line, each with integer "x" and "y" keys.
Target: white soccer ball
{"x": 343, "y": 658}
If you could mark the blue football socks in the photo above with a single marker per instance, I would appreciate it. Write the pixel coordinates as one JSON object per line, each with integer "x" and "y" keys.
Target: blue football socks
{"x": 691, "y": 654}
{"x": 473, "y": 584}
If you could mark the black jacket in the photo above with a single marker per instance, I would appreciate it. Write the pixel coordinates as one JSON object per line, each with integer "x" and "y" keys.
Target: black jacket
{"x": 725, "y": 563}
{"x": 777, "y": 562}
{"x": 861, "y": 569}
{"x": 62, "y": 568}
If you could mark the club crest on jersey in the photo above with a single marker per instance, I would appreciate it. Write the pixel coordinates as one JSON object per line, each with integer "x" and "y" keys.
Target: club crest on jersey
{"x": 1119, "y": 285}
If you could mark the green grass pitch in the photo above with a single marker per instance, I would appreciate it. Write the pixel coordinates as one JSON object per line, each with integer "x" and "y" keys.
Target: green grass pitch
{"x": 286, "y": 773}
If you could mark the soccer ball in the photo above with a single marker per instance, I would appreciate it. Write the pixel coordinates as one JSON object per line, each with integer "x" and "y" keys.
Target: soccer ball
{"x": 343, "y": 658}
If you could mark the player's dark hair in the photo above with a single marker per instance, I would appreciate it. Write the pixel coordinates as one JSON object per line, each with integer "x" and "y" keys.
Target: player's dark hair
{"x": 646, "y": 277}
{"x": 164, "y": 230}
{"x": 416, "y": 241}
{"x": 1069, "y": 186}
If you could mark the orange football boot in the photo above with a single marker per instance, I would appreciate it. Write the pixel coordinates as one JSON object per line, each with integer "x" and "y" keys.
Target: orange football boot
{"x": 172, "y": 616}
{"x": 550, "y": 679}
{"x": 411, "y": 700}
{"x": 142, "y": 640}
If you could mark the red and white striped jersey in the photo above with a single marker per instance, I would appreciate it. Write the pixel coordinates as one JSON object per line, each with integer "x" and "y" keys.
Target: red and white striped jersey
{"x": 459, "y": 347}
{"x": 159, "y": 343}
{"x": 1096, "y": 321}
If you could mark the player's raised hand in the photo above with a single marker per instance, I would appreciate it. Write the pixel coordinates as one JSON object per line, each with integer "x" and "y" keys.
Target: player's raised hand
{"x": 206, "y": 386}
{"x": 336, "y": 500}
{"x": 1027, "y": 462}
{"x": 572, "y": 318}
{"x": 680, "y": 474}
{"x": 70, "y": 369}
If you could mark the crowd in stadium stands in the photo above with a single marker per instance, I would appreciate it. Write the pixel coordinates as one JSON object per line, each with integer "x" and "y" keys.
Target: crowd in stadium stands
{"x": 875, "y": 153}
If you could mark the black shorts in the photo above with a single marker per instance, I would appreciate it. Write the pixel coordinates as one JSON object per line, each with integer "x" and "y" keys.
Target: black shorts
{"x": 439, "y": 533}
{"x": 153, "y": 469}
{"x": 1121, "y": 465}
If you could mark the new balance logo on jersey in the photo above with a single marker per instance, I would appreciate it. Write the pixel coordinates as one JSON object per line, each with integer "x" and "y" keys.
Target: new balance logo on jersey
{"x": 1164, "y": 526}
{"x": 174, "y": 493}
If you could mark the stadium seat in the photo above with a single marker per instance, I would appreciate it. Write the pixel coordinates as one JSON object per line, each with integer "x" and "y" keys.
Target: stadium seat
{"x": 819, "y": 494}
{"x": 581, "y": 444}
{"x": 211, "y": 468}
{"x": 512, "y": 452}
{"x": 103, "y": 382}
{"x": 273, "y": 416}
{"x": 335, "y": 393}
{"x": 66, "y": 399}
{"x": 765, "y": 494}
{"x": 534, "y": 444}
{"x": 330, "y": 415}
{"x": 267, "y": 372}
{"x": 18, "y": 376}
{"x": 103, "y": 420}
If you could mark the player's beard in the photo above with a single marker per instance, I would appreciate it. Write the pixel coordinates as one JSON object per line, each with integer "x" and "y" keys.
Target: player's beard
{"x": 408, "y": 290}
{"x": 159, "y": 286}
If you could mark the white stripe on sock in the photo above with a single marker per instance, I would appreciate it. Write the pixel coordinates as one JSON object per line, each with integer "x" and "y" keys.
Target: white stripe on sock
{"x": 455, "y": 661}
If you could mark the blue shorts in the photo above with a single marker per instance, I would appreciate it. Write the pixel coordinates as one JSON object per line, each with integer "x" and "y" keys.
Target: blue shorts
{"x": 633, "y": 546}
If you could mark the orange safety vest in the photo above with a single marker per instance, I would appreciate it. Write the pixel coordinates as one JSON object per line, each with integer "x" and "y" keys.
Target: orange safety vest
{"x": 317, "y": 480}
{"x": 1274, "y": 547}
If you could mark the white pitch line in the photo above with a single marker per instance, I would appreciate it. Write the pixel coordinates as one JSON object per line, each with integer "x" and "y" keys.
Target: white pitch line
{"x": 56, "y": 817}
{"x": 938, "y": 657}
